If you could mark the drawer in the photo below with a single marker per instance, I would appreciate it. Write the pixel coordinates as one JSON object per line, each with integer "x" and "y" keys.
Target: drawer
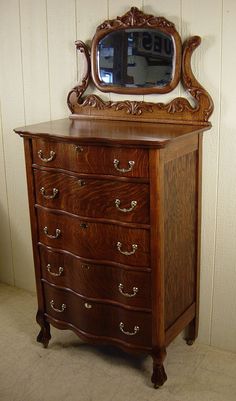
{"x": 129, "y": 162}
{"x": 96, "y": 318}
{"x": 94, "y": 240}
{"x": 90, "y": 197}
{"x": 106, "y": 282}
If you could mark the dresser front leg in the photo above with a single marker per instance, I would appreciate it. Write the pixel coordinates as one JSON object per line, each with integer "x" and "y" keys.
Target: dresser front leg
{"x": 159, "y": 375}
{"x": 44, "y": 335}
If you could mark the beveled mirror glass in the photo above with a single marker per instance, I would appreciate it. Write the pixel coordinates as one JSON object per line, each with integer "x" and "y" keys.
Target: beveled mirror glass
{"x": 136, "y": 54}
{"x": 136, "y": 58}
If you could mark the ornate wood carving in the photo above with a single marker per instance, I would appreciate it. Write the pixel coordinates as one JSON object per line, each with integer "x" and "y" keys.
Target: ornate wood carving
{"x": 136, "y": 18}
{"x": 179, "y": 110}
{"x": 76, "y": 93}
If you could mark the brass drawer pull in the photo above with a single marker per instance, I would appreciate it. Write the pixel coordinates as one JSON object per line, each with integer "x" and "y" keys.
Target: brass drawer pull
{"x": 60, "y": 271}
{"x": 126, "y": 253}
{"x": 128, "y": 333}
{"x": 54, "y": 193}
{"x": 116, "y": 163}
{"x": 135, "y": 290}
{"x": 87, "y": 305}
{"x": 124, "y": 210}
{"x": 57, "y": 235}
{"x": 79, "y": 148}
{"x": 63, "y": 307}
{"x": 44, "y": 159}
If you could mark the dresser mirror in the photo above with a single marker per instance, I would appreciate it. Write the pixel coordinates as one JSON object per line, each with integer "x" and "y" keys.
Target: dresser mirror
{"x": 135, "y": 60}
{"x": 139, "y": 53}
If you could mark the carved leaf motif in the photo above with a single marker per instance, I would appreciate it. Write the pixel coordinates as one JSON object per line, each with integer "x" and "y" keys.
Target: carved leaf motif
{"x": 177, "y": 105}
{"x": 133, "y": 108}
{"x": 95, "y": 102}
{"x": 135, "y": 17}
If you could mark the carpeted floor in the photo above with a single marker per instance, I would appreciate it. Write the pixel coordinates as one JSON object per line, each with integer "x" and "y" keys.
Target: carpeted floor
{"x": 72, "y": 371}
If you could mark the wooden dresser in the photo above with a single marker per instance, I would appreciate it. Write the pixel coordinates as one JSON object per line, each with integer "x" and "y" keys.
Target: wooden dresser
{"x": 115, "y": 195}
{"x": 115, "y": 225}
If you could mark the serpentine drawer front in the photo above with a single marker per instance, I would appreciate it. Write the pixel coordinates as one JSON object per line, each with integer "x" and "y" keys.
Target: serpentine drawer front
{"x": 94, "y": 240}
{"x": 111, "y": 283}
{"x": 98, "y": 318}
{"x": 129, "y": 162}
{"x": 118, "y": 200}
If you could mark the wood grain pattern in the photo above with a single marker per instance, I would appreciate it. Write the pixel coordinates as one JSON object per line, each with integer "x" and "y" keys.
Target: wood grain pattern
{"x": 101, "y": 319}
{"x": 96, "y": 240}
{"x": 96, "y": 280}
{"x": 91, "y": 159}
{"x": 74, "y": 196}
{"x": 108, "y": 133}
{"x": 157, "y": 263}
{"x": 180, "y": 192}
{"x": 44, "y": 334}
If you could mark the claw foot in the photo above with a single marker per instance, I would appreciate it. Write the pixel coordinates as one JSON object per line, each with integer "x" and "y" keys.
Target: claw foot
{"x": 44, "y": 336}
{"x": 159, "y": 376}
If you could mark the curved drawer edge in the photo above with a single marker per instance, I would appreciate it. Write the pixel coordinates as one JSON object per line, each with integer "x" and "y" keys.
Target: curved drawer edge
{"x": 96, "y": 261}
{"x": 102, "y": 340}
{"x": 94, "y": 219}
{"x": 98, "y": 300}
{"x": 107, "y": 177}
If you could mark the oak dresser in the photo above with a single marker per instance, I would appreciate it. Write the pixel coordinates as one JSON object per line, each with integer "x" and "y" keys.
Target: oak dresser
{"x": 115, "y": 207}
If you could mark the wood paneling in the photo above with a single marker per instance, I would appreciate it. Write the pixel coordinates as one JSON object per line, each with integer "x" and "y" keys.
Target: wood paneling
{"x": 12, "y": 106}
{"x": 34, "y": 47}
{"x": 6, "y": 275}
{"x": 223, "y": 331}
{"x": 204, "y": 19}
{"x": 180, "y": 235}
{"x": 61, "y": 31}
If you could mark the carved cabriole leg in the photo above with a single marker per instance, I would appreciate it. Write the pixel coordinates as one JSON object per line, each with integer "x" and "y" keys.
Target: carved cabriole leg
{"x": 44, "y": 335}
{"x": 159, "y": 375}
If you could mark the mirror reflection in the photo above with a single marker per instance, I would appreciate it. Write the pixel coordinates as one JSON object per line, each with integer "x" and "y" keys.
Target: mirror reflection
{"x": 136, "y": 58}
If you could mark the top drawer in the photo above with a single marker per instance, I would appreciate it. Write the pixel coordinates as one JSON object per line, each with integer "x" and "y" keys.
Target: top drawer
{"x": 128, "y": 162}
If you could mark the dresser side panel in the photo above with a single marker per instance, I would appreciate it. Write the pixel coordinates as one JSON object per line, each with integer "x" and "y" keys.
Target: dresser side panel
{"x": 33, "y": 220}
{"x": 180, "y": 233}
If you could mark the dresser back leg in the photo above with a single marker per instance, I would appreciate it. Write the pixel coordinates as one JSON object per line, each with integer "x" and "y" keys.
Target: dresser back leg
{"x": 192, "y": 331}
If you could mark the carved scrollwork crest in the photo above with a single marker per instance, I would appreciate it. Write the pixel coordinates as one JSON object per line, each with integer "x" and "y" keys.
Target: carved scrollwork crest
{"x": 135, "y": 17}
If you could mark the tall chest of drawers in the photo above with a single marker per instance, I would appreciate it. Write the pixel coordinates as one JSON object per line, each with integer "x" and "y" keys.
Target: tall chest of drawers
{"x": 115, "y": 211}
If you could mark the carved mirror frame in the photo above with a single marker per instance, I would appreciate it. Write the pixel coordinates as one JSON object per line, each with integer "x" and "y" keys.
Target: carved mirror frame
{"x": 136, "y": 19}
{"x": 178, "y": 110}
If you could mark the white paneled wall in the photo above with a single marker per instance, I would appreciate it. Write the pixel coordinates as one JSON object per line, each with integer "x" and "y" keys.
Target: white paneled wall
{"x": 38, "y": 67}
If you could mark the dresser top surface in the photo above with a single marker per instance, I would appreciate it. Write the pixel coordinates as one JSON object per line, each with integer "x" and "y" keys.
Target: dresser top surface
{"x": 110, "y": 132}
